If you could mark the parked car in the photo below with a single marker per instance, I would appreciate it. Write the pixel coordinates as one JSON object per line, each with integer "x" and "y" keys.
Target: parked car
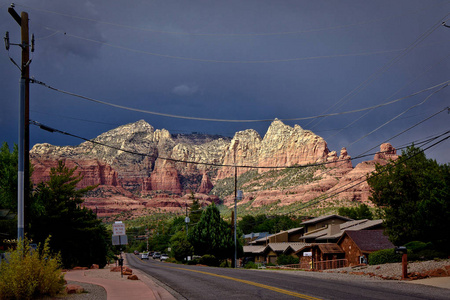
{"x": 163, "y": 257}
{"x": 136, "y": 252}
{"x": 144, "y": 255}
{"x": 156, "y": 255}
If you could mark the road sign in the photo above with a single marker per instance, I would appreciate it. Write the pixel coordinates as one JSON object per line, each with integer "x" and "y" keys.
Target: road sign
{"x": 307, "y": 253}
{"x": 118, "y": 229}
{"x": 119, "y": 240}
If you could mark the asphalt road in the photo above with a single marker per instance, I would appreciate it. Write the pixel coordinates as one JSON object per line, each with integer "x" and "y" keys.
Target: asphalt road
{"x": 198, "y": 282}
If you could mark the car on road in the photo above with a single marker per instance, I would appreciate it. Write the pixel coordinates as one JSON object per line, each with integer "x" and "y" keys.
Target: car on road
{"x": 144, "y": 255}
{"x": 164, "y": 257}
{"x": 136, "y": 252}
{"x": 156, "y": 255}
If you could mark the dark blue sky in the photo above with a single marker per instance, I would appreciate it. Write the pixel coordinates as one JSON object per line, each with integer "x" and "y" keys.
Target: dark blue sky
{"x": 234, "y": 60}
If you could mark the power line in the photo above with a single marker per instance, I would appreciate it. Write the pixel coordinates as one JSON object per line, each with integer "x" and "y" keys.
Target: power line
{"x": 381, "y": 126}
{"x": 230, "y": 61}
{"x": 367, "y": 112}
{"x": 32, "y": 80}
{"x": 384, "y": 68}
{"x": 411, "y": 127}
{"x": 51, "y": 129}
{"x": 320, "y": 199}
{"x": 227, "y": 34}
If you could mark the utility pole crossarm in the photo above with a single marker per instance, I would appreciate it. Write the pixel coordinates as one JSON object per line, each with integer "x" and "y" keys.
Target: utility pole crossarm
{"x": 15, "y": 15}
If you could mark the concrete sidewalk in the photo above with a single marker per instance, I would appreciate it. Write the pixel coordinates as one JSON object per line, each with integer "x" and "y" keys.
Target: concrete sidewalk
{"x": 118, "y": 287}
{"x": 442, "y": 282}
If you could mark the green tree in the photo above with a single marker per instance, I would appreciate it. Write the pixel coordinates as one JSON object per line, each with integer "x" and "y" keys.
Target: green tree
{"x": 212, "y": 235}
{"x": 76, "y": 232}
{"x": 181, "y": 247}
{"x": 195, "y": 211}
{"x": 414, "y": 195}
{"x": 247, "y": 224}
{"x": 8, "y": 177}
{"x": 356, "y": 213}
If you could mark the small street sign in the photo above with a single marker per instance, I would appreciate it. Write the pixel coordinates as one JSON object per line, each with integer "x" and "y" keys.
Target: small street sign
{"x": 118, "y": 229}
{"x": 119, "y": 240}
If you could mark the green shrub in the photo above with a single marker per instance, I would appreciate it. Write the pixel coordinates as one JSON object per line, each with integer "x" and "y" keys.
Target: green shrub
{"x": 250, "y": 265}
{"x": 417, "y": 246}
{"x": 284, "y": 259}
{"x": 28, "y": 273}
{"x": 224, "y": 264}
{"x": 209, "y": 260}
{"x": 384, "y": 256}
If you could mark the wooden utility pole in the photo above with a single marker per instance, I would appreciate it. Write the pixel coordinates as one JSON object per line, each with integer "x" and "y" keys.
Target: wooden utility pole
{"x": 24, "y": 123}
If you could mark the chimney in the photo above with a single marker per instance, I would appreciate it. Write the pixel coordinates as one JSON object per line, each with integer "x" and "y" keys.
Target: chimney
{"x": 334, "y": 229}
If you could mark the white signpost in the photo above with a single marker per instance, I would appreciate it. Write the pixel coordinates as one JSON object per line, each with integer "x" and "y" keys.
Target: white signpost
{"x": 118, "y": 229}
{"x": 119, "y": 237}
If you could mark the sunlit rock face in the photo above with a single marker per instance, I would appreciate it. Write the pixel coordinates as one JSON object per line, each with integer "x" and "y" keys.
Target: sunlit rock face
{"x": 136, "y": 166}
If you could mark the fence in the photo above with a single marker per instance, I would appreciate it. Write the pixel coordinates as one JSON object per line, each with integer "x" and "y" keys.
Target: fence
{"x": 320, "y": 265}
{"x": 330, "y": 264}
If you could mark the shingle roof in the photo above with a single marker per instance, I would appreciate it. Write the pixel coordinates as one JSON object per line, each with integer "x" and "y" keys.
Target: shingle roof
{"x": 329, "y": 248}
{"x": 254, "y": 249}
{"x": 277, "y": 247}
{"x": 322, "y": 234}
{"x": 369, "y": 240}
{"x": 266, "y": 238}
{"x": 323, "y": 218}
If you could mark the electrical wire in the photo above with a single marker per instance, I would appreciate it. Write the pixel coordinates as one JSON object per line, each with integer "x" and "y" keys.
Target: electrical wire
{"x": 367, "y": 112}
{"x": 402, "y": 113}
{"x": 409, "y": 128}
{"x": 383, "y": 69}
{"x": 394, "y": 164}
{"x": 231, "y": 61}
{"x": 51, "y": 129}
{"x": 32, "y": 80}
{"x": 229, "y": 34}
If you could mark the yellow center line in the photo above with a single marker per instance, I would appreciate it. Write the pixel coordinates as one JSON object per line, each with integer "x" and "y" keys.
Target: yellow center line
{"x": 268, "y": 287}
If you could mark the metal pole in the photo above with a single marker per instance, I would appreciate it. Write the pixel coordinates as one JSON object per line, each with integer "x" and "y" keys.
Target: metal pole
{"x": 235, "y": 202}
{"x": 20, "y": 179}
{"x": 23, "y": 180}
{"x": 26, "y": 115}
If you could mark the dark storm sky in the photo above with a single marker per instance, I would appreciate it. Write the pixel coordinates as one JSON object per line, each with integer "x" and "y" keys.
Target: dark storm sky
{"x": 235, "y": 60}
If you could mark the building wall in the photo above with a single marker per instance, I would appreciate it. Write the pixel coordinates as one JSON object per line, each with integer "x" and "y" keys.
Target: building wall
{"x": 294, "y": 238}
{"x": 279, "y": 238}
{"x": 322, "y": 224}
{"x": 352, "y": 252}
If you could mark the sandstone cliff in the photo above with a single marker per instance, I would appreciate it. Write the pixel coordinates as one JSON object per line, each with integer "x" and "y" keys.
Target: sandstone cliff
{"x": 137, "y": 166}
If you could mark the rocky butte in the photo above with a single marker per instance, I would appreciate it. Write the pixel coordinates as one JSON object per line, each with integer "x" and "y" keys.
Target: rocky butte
{"x": 137, "y": 167}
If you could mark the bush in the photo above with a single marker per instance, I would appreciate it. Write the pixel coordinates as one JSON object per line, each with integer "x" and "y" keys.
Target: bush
{"x": 209, "y": 260}
{"x": 250, "y": 265}
{"x": 423, "y": 251}
{"x": 418, "y": 246}
{"x": 224, "y": 264}
{"x": 28, "y": 273}
{"x": 284, "y": 259}
{"x": 384, "y": 256}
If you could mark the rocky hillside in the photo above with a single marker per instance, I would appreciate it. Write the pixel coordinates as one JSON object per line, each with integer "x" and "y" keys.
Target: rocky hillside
{"x": 138, "y": 168}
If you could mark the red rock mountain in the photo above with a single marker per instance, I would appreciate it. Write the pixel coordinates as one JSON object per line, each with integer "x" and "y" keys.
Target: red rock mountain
{"x": 138, "y": 167}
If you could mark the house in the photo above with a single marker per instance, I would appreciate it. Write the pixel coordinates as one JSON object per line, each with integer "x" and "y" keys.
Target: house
{"x": 332, "y": 232}
{"x": 322, "y": 222}
{"x": 357, "y": 245}
{"x": 321, "y": 256}
{"x": 271, "y": 252}
{"x": 254, "y": 253}
{"x": 274, "y": 250}
{"x": 248, "y": 238}
{"x": 285, "y": 236}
